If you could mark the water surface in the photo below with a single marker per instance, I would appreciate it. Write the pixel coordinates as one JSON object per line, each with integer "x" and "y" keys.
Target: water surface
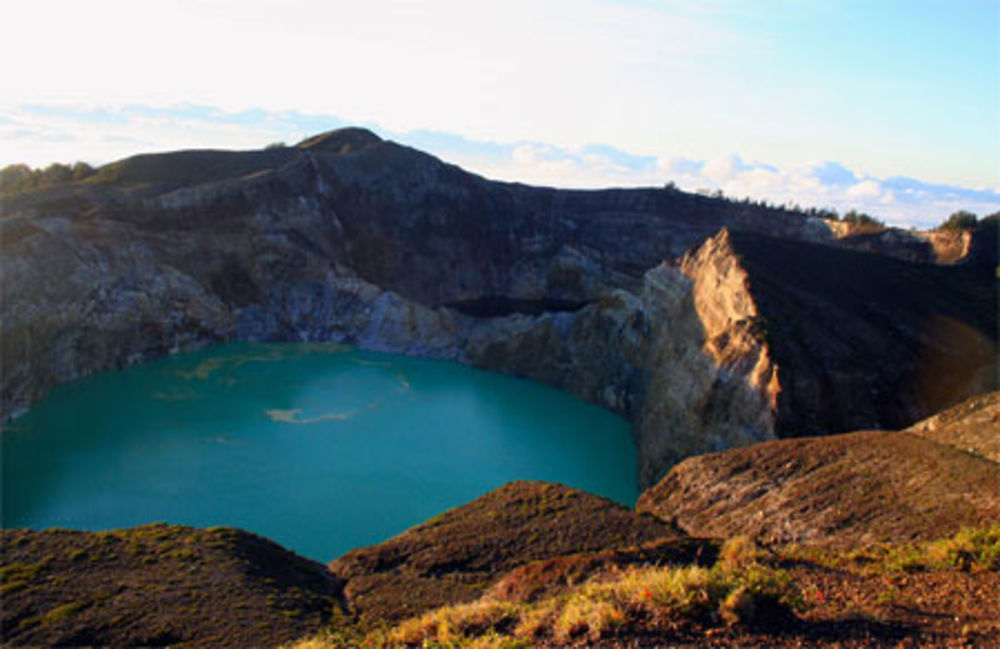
{"x": 321, "y": 448}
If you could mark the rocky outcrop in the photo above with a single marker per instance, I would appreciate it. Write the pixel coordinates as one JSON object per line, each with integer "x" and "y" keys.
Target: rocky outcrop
{"x": 648, "y": 356}
{"x": 930, "y": 246}
{"x": 710, "y": 381}
{"x": 848, "y": 489}
{"x": 707, "y": 323}
{"x": 972, "y": 426}
{"x": 749, "y": 338}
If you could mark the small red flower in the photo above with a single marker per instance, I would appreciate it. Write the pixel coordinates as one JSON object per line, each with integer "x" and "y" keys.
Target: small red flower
{"x": 819, "y": 596}
{"x": 646, "y": 592}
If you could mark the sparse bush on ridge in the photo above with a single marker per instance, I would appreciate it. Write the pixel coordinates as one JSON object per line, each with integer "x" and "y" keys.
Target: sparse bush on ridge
{"x": 21, "y": 177}
{"x": 960, "y": 220}
{"x": 454, "y": 623}
{"x": 964, "y": 220}
{"x": 861, "y": 219}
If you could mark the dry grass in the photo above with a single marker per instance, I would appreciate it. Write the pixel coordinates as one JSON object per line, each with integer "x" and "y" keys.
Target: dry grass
{"x": 735, "y": 591}
{"x": 971, "y": 549}
{"x": 590, "y": 618}
{"x": 742, "y": 590}
{"x": 740, "y": 552}
{"x": 455, "y": 624}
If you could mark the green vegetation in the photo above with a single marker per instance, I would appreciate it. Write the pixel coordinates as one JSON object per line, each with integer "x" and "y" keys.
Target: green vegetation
{"x": 960, "y": 220}
{"x": 21, "y": 177}
{"x": 172, "y": 584}
{"x": 747, "y": 586}
{"x": 58, "y": 613}
{"x": 965, "y": 220}
{"x": 861, "y": 219}
{"x": 15, "y": 577}
{"x": 823, "y": 213}
{"x": 972, "y": 549}
{"x": 22, "y": 571}
{"x": 54, "y": 615}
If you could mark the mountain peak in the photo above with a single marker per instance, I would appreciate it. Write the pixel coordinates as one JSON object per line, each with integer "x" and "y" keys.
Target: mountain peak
{"x": 342, "y": 140}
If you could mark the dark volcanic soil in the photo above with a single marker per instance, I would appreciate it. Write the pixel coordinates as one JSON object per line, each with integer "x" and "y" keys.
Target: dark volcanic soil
{"x": 455, "y": 556}
{"x": 159, "y": 585}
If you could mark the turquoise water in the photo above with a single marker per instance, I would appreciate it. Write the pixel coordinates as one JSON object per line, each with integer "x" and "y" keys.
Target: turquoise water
{"x": 321, "y": 448}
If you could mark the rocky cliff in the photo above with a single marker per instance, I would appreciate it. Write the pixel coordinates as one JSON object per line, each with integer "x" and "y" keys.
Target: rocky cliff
{"x": 691, "y": 316}
{"x": 937, "y": 246}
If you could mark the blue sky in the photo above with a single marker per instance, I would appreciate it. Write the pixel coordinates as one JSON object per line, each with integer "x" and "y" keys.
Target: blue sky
{"x": 886, "y": 106}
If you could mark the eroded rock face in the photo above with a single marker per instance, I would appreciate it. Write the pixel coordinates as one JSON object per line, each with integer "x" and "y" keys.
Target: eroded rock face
{"x": 933, "y": 246}
{"x": 848, "y": 489}
{"x": 972, "y": 426}
{"x": 711, "y": 383}
{"x": 349, "y": 238}
{"x": 864, "y": 341}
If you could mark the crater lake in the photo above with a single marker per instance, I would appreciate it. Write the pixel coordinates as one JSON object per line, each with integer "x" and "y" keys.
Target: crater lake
{"x": 320, "y": 447}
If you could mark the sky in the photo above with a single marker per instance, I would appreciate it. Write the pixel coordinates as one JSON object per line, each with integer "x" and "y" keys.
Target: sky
{"x": 884, "y": 106}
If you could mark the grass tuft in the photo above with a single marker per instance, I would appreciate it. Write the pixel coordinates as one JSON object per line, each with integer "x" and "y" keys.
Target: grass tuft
{"x": 970, "y": 549}
{"x": 737, "y": 590}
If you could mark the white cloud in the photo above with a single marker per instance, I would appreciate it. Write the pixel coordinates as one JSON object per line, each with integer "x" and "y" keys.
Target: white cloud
{"x": 865, "y": 189}
{"x": 726, "y": 168}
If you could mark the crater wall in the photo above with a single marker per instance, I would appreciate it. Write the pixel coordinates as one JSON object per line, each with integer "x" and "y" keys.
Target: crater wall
{"x": 665, "y": 307}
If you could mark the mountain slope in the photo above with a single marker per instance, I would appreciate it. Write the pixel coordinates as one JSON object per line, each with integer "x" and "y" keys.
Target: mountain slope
{"x": 455, "y": 556}
{"x": 869, "y": 341}
{"x": 158, "y": 585}
{"x": 848, "y": 489}
{"x": 707, "y": 323}
{"x": 972, "y": 426}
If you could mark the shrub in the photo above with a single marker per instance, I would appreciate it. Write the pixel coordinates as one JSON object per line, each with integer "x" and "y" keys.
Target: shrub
{"x": 21, "y": 177}
{"x": 855, "y": 217}
{"x": 969, "y": 549}
{"x": 740, "y": 552}
{"x": 960, "y": 220}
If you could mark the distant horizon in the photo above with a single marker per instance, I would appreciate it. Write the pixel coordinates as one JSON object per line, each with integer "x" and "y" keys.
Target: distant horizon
{"x": 113, "y": 134}
{"x": 888, "y": 107}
